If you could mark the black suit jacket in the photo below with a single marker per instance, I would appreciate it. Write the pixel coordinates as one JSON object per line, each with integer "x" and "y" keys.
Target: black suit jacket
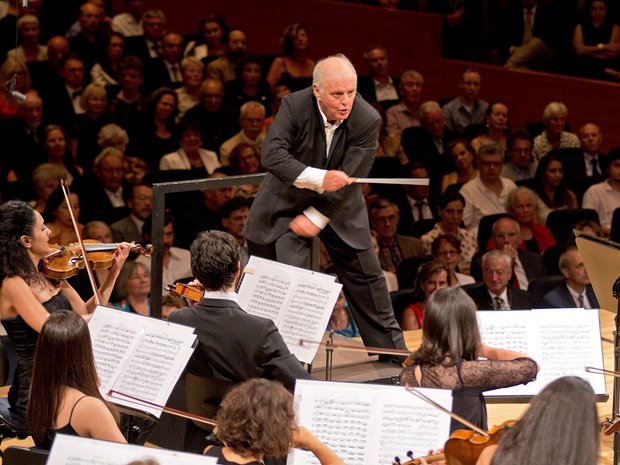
{"x": 518, "y": 299}
{"x": 532, "y": 264}
{"x": 366, "y": 87}
{"x": 574, "y": 164}
{"x": 236, "y": 346}
{"x": 156, "y": 75}
{"x": 95, "y": 203}
{"x": 137, "y": 46}
{"x": 296, "y": 140}
{"x": 560, "y": 297}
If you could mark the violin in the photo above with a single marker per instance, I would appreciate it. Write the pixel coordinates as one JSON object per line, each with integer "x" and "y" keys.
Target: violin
{"x": 65, "y": 261}
{"x": 185, "y": 290}
{"x": 463, "y": 447}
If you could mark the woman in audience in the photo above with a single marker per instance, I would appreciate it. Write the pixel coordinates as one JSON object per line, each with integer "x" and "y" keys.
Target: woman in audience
{"x": 191, "y": 155}
{"x": 112, "y": 135}
{"x": 65, "y": 396}
{"x": 464, "y": 157}
{"x": 58, "y": 218}
{"x": 12, "y": 70}
{"x": 554, "y": 136}
{"x": 30, "y": 49}
{"x": 105, "y": 72}
{"x": 256, "y": 419}
{"x": 496, "y": 127}
{"x": 596, "y": 41}
{"x": 447, "y": 249}
{"x": 27, "y": 297}
{"x": 249, "y": 85}
{"x": 211, "y": 41}
{"x": 46, "y": 179}
{"x": 294, "y": 68}
{"x": 522, "y": 205}
{"x": 245, "y": 159}
{"x": 546, "y": 435}
{"x": 452, "y": 356}
{"x": 192, "y": 71}
{"x": 431, "y": 276}
{"x": 340, "y": 321}
{"x": 134, "y": 288}
{"x": 129, "y": 104}
{"x": 56, "y": 146}
{"x": 550, "y": 188}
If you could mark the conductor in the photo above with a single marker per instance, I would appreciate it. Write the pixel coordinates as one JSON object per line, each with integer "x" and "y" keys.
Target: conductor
{"x": 320, "y": 137}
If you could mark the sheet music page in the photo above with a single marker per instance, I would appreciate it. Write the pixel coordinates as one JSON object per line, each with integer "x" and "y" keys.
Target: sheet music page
{"x": 562, "y": 341}
{"x": 74, "y": 450}
{"x": 369, "y": 424}
{"x": 298, "y": 301}
{"x": 140, "y": 356}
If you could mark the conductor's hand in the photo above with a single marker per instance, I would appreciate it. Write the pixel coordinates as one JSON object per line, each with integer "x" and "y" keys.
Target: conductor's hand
{"x": 334, "y": 180}
{"x": 302, "y": 226}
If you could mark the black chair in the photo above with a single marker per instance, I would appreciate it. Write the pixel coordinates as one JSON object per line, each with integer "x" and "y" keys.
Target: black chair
{"x": 485, "y": 229}
{"x": 538, "y": 287}
{"x": 615, "y": 226}
{"x": 408, "y": 270}
{"x": 18, "y": 455}
{"x": 203, "y": 396}
{"x": 562, "y": 222}
{"x": 11, "y": 424}
{"x": 421, "y": 227}
{"x": 400, "y": 299}
{"x": 551, "y": 258}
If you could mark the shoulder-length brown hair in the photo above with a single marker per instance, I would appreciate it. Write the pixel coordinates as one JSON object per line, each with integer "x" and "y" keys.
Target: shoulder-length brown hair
{"x": 63, "y": 359}
{"x": 256, "y": 417}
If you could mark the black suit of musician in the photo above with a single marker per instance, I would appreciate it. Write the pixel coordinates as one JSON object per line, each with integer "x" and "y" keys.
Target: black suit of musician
{"x": 320, "y": 137}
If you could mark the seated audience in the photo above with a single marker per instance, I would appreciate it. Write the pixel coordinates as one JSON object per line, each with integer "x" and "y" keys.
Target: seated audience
{"x": 378, "y": 86}
{"x": 29, "y": 33}
{"x": 129, "y": 104}
{"x": 585, "y": 164}
{"x": 466, "y": 109}
{"x": 520, "y": 165}
{"x": 389, "y": 145}
{"x": 406, "y": 113}
{"x": 46, "y": 179}
{"x": 210, "y": 42}
{"x": 576, "y": 290}
{"x": 249, "y": 85}
{"x": 133, "y": 288}
{"x": 252, "y": 121}
{"x": 447, "y": 249}
{"x": 147, "y": 46}
{"x": 192, "y": 71}
{"x": 105, "y": 72}
{"x": 340, "y": 321}
{"x": 431, "y": 276}
{"x": 496, "y": 128}
{"x": 233, "y": 215}
{"x": 12, "y": 71}
{"x": 65, "y": 395}
{"x": 56, "y": 146}
{"x": 452, "y": 356}
{"x": 522, "y": 205}
{"x": 165, "y": 70}
{"x": 129, "y": 23}
{"x": 554, "y": 135}
{"x": 227, "y": 66}
{"x": 294, "y": 68}
{"x": 140, "y": 204}
{"x": 390, "y": 276}
{"x": 112, "y": 135}
{"x": 604, "y": 197}
{"x": 58, "y": 218}
{"x": 244, "y": 160}
{"x": 169, "y": 304}
{"x": 276, "y": 102}
{"x": 550, "y": 186}
{"x": 191, "y": 156}
{"x": 464, "y": 158}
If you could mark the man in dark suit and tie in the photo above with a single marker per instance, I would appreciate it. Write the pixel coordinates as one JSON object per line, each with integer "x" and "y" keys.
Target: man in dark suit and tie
{"x": 165, "y": 71}
{"x": 378, "y": 86}
{"x": 576, "y": 290}
{"x": 320, "y": 137}
{"x": 496, "y": 294}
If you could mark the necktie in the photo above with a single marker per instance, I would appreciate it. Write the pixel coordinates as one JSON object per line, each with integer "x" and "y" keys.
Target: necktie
{"x": 498, "y": 303}
{"x": 580, "y": 301}
{"x": 176, "y": 77}
{"x": 595, "y": 171}
{"x": 528, "y": 26}
{"x": 420, "y": 209}
{"x": 76, "y": 94}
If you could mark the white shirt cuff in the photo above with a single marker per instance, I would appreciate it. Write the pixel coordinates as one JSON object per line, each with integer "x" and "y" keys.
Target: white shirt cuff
{"x": 311, "y": 178}
{"x": 317, "y": 218}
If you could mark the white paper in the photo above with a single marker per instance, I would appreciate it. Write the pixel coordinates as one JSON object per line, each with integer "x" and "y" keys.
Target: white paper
{"x": 139, "y": 356}
{"x": 369, "y": 424}
{"x": 74, "y": 450}
{"x": 298, "y": 301}
{"x": 562, "y": 341}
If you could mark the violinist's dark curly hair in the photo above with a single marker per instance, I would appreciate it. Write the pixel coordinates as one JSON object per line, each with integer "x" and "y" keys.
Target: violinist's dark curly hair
{"x": 547, "y": 433}
{"x": 215, "y": 259}
{"x": 257, "y": 417}
{"x": 17, "y": 219}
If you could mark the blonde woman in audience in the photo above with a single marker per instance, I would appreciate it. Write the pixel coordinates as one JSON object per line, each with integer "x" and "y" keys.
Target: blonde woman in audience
{"x": 134, "y": 286}
{"x": 554, "y": 136}
{"x": 46, "y": 179}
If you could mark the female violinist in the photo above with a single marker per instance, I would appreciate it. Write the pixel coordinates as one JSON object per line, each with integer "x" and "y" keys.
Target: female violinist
{"x": 560, "y": 426}
{"x": 27, "y": 297}
{"x": 448, "y": 357}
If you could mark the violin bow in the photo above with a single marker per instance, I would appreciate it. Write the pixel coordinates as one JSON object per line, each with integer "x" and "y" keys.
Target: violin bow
{"x": 163, "y": 408}
{"x": 91, "y": 276}
{"x": 416, "y": 392}
{"x": 602, "y": 371}
{"x": 350, "y": 347}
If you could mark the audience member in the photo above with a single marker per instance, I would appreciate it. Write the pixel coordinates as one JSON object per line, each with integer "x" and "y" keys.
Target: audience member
{"x": 233, "y": 215}
{"x": 129, "y": 104}
{"x": 165, "y": 70}
{"x": 550, "y": 186}
{"x": 147, "y": 46}
{"x": 105, "y": 72}
{"x": 169, "y": 304}
{"x": 15, "y": 76}
{"x": 192, "y": 70}
{"x": 245, "y": 160}
{"x": 191, "y": 156}
{"x": 447, "y": 249}
{"x": 522, "y": 205}
{"x": 276, "y": 102}
{"x": 97, "y": 230}
{"x": 226, "y": 67}
{"x": 46, "y": 74}
{"x": 63, "y": 101}
{"x": 378, "y": 86}
{"x": 294, "y": 68}
{"x": 464, "y": 158}
{"x": 496, "y": 293}
{"x": 29, "y": 33}
{"x": 56, "y": 146}
{"x": 554, "y": 136}
{"x": 89, "y": 43}
{"x": 520, "y": 164}
{"x": 133, "y": 287}
{"x": 249, "y": 85}
{"x": 252, "y": 121}
{"x": 406, "y": 113}
{"x": 341, "y": 322}
{"x": 58, "y": 218}
{"x": 585, "y": 164}
{"x": 451, "y": 207}
{"x": 495, "y": 129}
{"x": 486, "y": 194}
{"x": 45, "y": 179}
{"x": 576, "y": 290}
{"x": 466, "y": 109}
{"x": 431, "y": 276}
{"x": 393, "y": 247}
{"x": 211, "y": 41}
{"x": 390, "y": 276}
{"x": 604, "y": 197}
{"x": 389, "y": 145}
{"x": 129, "y": 23}
{"x": 112, "y": 135}
{"x": 140, "y": 204}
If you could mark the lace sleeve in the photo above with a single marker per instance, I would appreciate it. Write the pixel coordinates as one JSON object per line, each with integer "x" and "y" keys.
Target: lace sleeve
{"x": 494, "y": 374}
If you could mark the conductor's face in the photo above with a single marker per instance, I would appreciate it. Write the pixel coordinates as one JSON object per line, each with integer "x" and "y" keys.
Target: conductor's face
{"x": 336, "y": 94}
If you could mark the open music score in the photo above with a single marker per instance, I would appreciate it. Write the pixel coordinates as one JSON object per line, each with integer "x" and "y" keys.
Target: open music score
{"x": 298, "y": 301}
{"x": 140, "y": 356}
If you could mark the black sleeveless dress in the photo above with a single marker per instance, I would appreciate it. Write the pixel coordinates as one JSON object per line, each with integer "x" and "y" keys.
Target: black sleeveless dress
{"x": 67, "y": 430}
{"x": 216, "y": 451}
{"x": 24, "y": 341}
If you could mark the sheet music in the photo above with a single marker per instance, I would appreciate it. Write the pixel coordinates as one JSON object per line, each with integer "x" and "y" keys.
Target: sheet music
{"x": 369, "y": 424}
{"x": 140, "y": 356}
{"x": 562, "y": 341}
{"x": 298, "y": 301}
{"x": 74, "y": 450}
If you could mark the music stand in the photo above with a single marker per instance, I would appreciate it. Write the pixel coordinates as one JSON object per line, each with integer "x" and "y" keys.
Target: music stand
{"x": 599, "y": 256}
